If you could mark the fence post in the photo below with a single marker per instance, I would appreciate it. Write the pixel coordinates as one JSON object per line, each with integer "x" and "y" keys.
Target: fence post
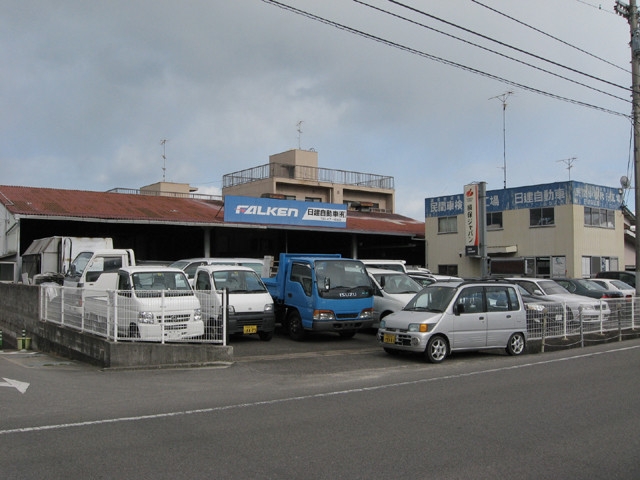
{"x": 581, "y": 323}
{"x": 162, "y": 315}
{"x": 225, "y": 304}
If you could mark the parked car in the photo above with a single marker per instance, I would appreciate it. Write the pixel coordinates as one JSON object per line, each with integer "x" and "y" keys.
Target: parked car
{"x": 624, "y": 275}
{"x": 190, "y": 265}
{"x": 613, "y": 284}
{"x": 392, "y": 290}
{"x": 447, "y": 317}
{"x": 540, "y": 311}
{"x": 426, "y": 278}
{"x": 588, "y": 288}
{"x": 548, "y": 289}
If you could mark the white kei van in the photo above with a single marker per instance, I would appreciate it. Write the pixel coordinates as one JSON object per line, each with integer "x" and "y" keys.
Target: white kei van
{"x": 250, "y": 307}
{"x": 446, "y": 317}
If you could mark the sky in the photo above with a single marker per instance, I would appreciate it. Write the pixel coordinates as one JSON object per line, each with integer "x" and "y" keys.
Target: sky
{"x": 435, "y": 93}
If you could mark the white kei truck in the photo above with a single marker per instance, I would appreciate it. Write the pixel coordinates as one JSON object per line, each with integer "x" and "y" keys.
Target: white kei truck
{"x": 249, "y": 305}
{"x": 147, "y": 303}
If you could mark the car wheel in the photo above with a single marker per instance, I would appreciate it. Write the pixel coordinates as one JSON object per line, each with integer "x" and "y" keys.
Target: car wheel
{"x": 133, "y": 331}
{"x": 516, "y": 344}
{"x": 296, "y": 332}
{"x": 265, "y": 336}
{"x": 437, "y": 349}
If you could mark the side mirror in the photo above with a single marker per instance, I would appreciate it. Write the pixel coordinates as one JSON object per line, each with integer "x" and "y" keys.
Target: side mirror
{"x": 458, "y": 309}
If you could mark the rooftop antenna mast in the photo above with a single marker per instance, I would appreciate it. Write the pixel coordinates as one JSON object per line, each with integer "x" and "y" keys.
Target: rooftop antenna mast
{"x": 299, "y": 125}
{"x": 569, "y": 162}
{"x": 163, "y": 142}
{"x": 503, "y": 99}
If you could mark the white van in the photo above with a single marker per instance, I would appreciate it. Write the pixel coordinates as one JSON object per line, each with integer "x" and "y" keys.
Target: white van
{"x": 446, "y": 317}
{"x": 190, "y": 265}
{"x": 397, "y": 265}
{"x": 392, "y": 290}
{"x": 250, "y": 306}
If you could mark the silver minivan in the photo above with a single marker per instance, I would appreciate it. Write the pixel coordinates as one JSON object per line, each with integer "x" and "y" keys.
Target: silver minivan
{"x": 447, "y": 317}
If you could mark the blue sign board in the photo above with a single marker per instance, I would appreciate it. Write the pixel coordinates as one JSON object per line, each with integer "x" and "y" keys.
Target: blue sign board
{"x": 536, "y": 196}
{"x": 284, "y": 212}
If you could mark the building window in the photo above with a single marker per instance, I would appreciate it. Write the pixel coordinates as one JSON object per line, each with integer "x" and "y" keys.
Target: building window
{"x": 450, "y": 270}
{"x": 494, "y": 220}
{"x": 448, "y": 225}
{"x": 539, "y": 217}
{"x": 599, "y": 217}
{"x": 312, "y": 199}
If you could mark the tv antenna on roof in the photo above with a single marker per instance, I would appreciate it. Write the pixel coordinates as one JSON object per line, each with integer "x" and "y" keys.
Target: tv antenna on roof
{"x": 299, "y": 125}
{"x": 569, "y": 162}
{"x": 163, "y": 142}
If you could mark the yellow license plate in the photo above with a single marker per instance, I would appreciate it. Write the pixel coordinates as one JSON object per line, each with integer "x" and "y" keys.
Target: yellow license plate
{"x": 388, "y": 338}
{"x": 249, "y": 329}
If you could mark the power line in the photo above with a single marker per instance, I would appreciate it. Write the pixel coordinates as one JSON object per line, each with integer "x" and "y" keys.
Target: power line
{"x": 492, "y": 51}
{"x": 538, "y": 57}
{"x": 551, "y": 36}
{"x": 439, "y": 59}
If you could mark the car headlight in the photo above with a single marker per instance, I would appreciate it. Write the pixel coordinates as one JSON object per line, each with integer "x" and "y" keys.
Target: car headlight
{"x": 366, "y": 314}
{"x": 418, "y": 327}
{"x": 197, "y": 315}
{"x": 537, "y": 307}
{"x": 324, "y": 315}
{"x": 146, "y": 317}
{"x": 268, "y": 308}
{"x": 383, "y": 324}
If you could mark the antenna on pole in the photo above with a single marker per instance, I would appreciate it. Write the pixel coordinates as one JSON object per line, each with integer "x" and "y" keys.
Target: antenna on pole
{"x": 569, "y": 162}
{"x": 299, "y": 125}
{"x": 503, "y": 99}
{"x": 163, "y": 142}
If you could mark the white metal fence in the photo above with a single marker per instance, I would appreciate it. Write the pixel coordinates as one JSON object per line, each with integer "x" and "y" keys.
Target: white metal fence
{"x": 157, "y": 316}
{"x": 169, "y": 317}
{"x": 583, "y": 322}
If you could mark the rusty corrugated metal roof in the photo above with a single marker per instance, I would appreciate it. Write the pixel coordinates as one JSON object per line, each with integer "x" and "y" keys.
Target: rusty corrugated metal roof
{"x": 126, "y": 207}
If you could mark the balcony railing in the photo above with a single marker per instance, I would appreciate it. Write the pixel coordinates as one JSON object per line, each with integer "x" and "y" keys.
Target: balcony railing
{"x": 302, "y": 172}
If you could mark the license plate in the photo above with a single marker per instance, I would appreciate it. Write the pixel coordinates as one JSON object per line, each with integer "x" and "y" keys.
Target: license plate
{"x": 558, "y": 317}
{"x": 388, "y": 338}
{"x": 247, "y": 329}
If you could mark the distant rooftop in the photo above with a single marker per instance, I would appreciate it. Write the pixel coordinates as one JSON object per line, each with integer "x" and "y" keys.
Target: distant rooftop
{"x": 308, "y": 173}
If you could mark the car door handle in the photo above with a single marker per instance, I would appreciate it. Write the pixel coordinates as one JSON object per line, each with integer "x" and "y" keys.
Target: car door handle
{"x": 481, "y": 318}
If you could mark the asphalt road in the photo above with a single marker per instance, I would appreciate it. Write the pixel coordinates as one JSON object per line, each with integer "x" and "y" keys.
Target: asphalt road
{"x": 328, "y": 408}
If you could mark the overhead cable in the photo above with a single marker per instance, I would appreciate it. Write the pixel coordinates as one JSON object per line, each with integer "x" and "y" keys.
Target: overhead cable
{"x": 538, "y": 57}
{"x": 438, "y": 59}
{"x": 491, "y": 51}
{"x": 551, "y": 36}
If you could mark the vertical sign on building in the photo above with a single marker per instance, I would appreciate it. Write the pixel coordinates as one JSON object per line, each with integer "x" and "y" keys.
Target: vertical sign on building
{"x": 471, "y": 231}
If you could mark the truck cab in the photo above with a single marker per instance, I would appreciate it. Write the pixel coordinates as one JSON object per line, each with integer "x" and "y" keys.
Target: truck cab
{"x": 87, "y": 268}
{"x": 321, "y": 292}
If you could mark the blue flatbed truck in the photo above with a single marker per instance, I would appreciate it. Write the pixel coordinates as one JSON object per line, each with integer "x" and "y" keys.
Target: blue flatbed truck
{"x": 321, "y": 293}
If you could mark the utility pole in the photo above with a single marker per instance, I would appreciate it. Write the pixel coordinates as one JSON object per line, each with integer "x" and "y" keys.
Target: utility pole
{"x": 630, "y": 12}
{"x": 503, "y": 99}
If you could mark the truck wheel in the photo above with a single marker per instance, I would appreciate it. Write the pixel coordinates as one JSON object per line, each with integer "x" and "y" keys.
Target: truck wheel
{"x": 265, "y": 336}
{"x": 133, "y": 331}
{"x": 294, "y": 322}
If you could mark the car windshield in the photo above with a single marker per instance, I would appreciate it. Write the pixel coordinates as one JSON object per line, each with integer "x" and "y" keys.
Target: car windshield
{"x": 160, "y": 281}
{"x": 395, "y": 283}
{"x": 238, "y": 281}
{"x": 550, "y": 287}
{"x": 335, "y": 274}
{"x": 619, "y": 284}
{"x": 590, "y": 285}
{"x": 433, "y": 298}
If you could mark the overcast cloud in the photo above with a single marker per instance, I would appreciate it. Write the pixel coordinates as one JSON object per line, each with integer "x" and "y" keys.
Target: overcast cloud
{"x": 89, "y": 90}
